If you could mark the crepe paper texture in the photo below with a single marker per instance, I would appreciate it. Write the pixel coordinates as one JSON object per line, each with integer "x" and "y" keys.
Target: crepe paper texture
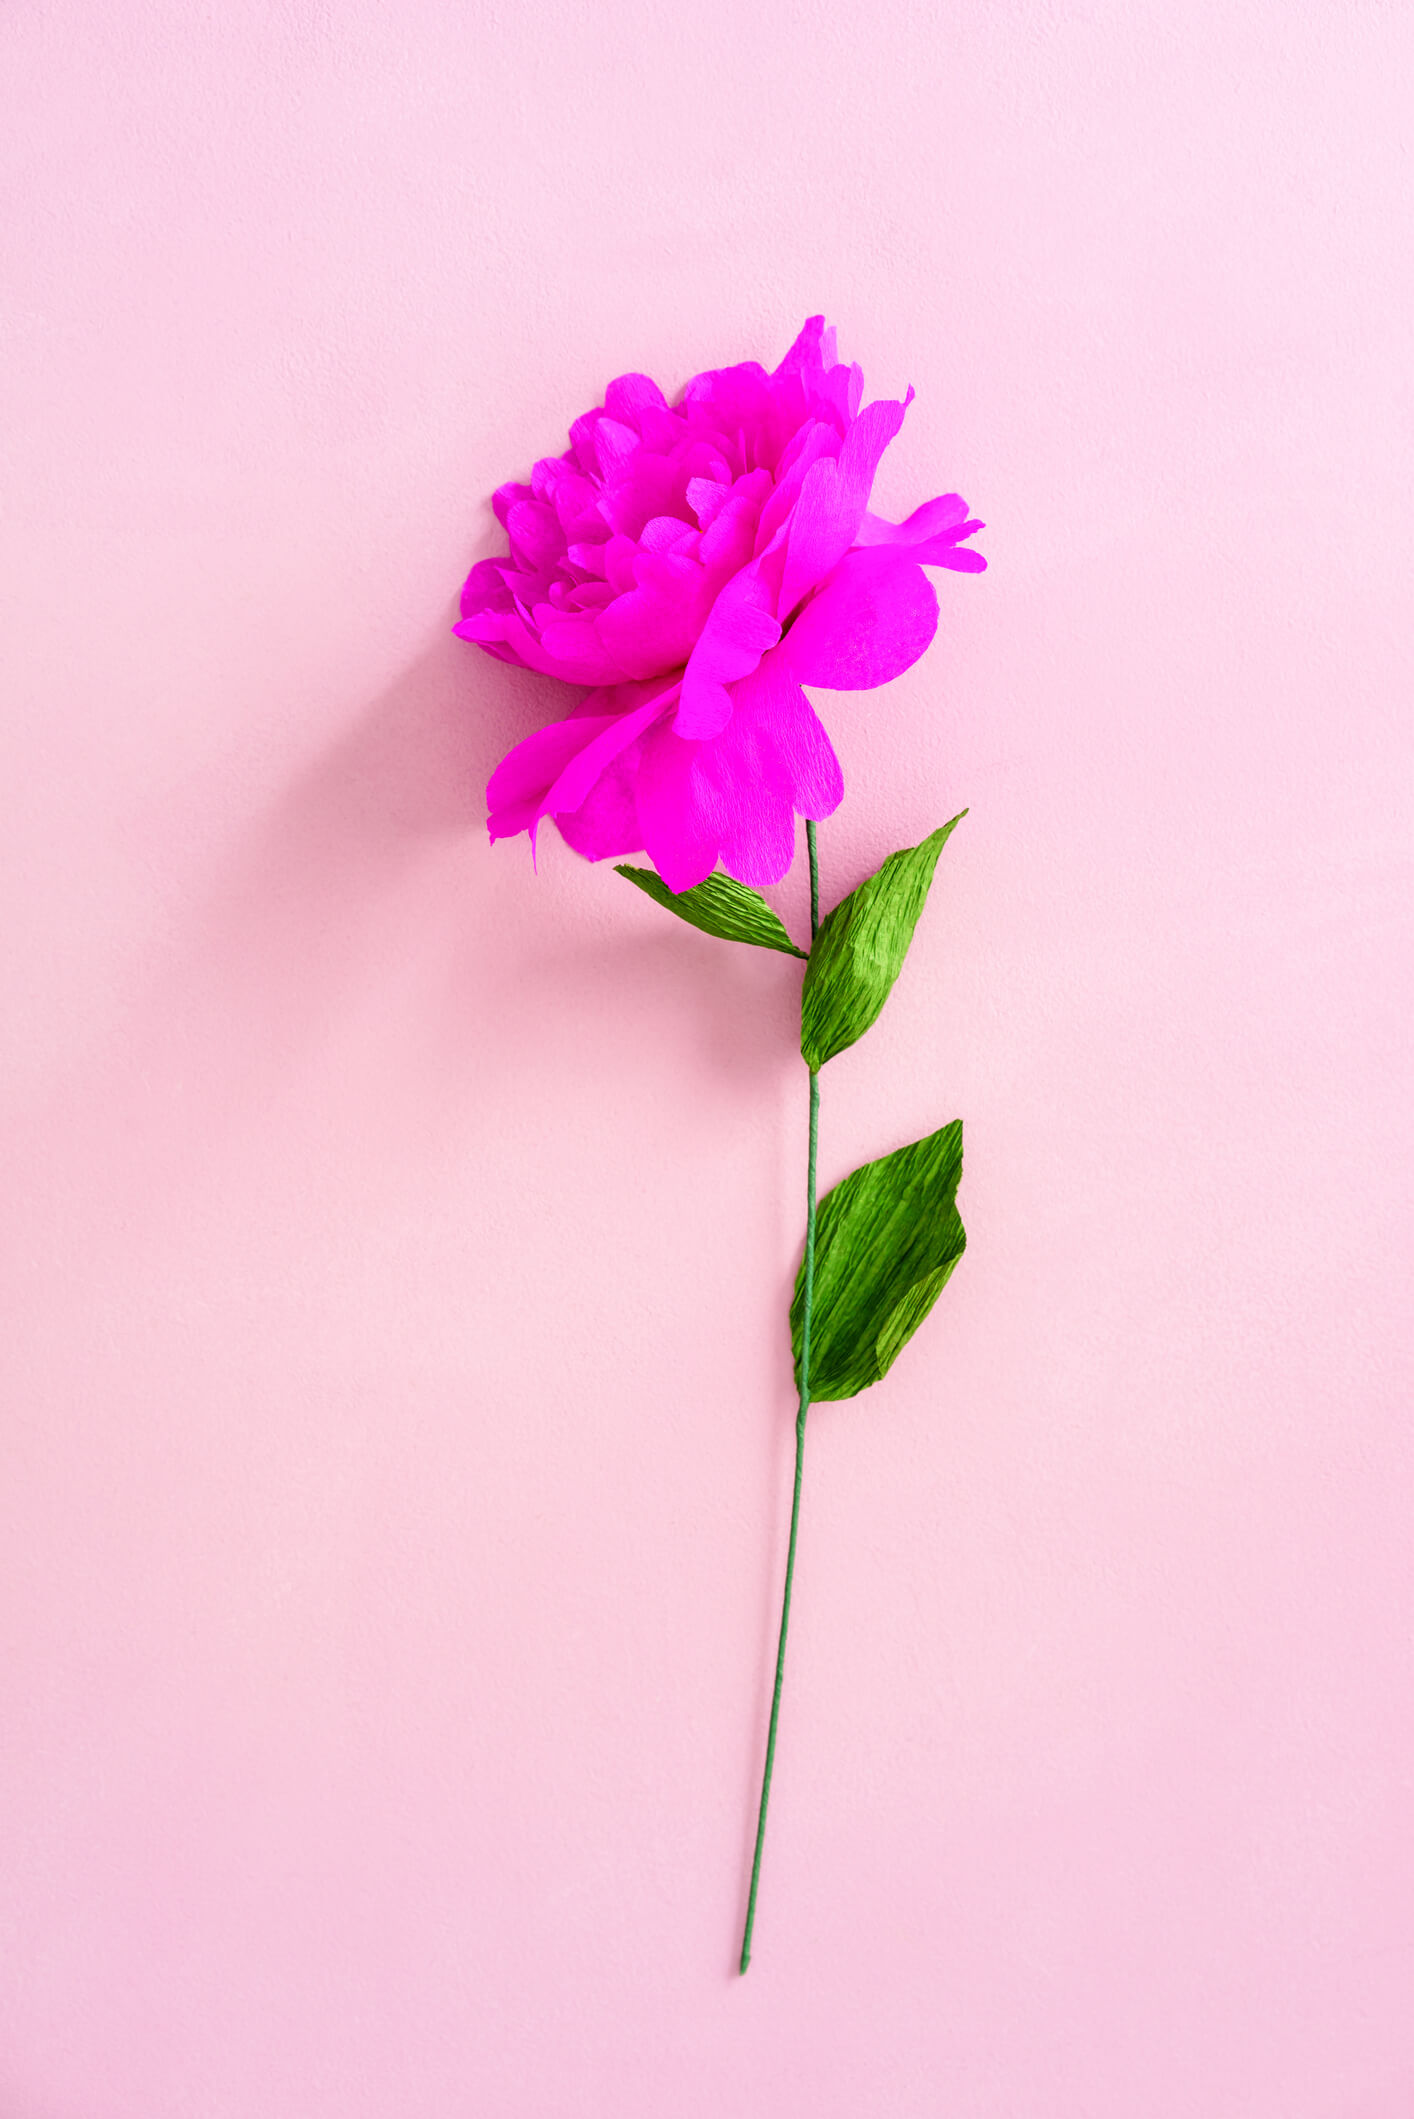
{"x": 860, "y": 949}
{"x": 886, "y": 1240}
{"x": 691, "y": 568}
{"x": 696, "y": 565}
{"x": 720, "y": 906}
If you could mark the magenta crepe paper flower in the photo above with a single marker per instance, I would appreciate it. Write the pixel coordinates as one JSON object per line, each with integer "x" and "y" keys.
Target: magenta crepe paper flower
{"x": 693, "y": 568}
{"x": 697, "y": 566}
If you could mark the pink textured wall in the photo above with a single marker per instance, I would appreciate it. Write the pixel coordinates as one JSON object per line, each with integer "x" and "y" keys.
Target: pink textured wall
{"x": 396, "y": 1420}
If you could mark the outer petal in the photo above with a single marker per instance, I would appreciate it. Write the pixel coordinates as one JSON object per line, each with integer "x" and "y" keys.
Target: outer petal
{"x": 833, "y": 497}
{"x": 577, "y": 655}
{"x": 933, "y": 534}
{"x": 758, "y": 841}
{"x": 682, "y": 823}
{"x": 580, "y": 773}
{"x": 806, "y": 350}
{"x": 629, "y": 396}
{"x": 817, "y": 438}
{"x": 734, "y": 797}
{"x": 484, "y": 590}
{"x": 959, "y": 557}
{"x": 606, "y": 826}
{"x": 738, "y": 631}
{"x": 556, "y": 769}
{"x": 536, "y": 537}
{"x": 753, "y": 788}
{"x": 795, "y": 751}
{"x": 617, "y": 699}
{"x": 703, "y": 802}
{"x": 871, "y": 619}
{"x": 516, "y": 791}
{"x": 944, "y": 512}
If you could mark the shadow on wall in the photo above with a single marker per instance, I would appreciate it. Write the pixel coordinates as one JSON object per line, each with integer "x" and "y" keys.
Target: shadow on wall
{"x": 291, "y": 915}
{"x": 261, "y": 967}
{"x": 369, "y": 886}
{"x": 307, "y": 908}
{"x": 324, "y": 895}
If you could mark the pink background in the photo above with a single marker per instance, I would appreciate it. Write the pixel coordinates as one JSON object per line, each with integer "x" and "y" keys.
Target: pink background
{"x": 396, "y": 1413}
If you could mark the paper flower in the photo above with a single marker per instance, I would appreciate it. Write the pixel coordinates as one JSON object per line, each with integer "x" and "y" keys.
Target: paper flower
{"x": 697, "y": 565}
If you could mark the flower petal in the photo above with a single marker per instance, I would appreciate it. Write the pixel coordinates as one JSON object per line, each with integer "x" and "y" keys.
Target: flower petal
{"x": 628, "y": 397}
{"x": 739, "y": 629}
{"x": 537, "y": 540}
{"x": 571, "y": 648}
{"x": 932, "y": 534}
{"x": 516, "y": 791}
{"x": 506, "y": 635}
{"x": 580, "y": 772}
{"x": 759, "y": 840}
{"x": 796, "y": 753}
{"x": 700, "y": 803}
{"x": 555, "y": 769}
{"x": 681, "y": 825}
{"x": 652, "y": 627}
{"x": 815, "y": 439}
{"x": 833, "y": 497}
{"x": 872, "y": 618}
{"x": 805, "y": 352}
{"x": 606, "y": 826}
{"x": 734, "y": 797}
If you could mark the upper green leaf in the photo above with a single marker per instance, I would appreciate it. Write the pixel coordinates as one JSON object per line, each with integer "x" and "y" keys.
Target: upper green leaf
{"x": 886, "y": 1239}
{"x": 860, "y": 949}
{"x": 720, "y": 906}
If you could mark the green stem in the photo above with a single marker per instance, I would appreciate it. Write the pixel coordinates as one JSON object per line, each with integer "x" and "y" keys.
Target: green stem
{"x": 809, "y": 1298}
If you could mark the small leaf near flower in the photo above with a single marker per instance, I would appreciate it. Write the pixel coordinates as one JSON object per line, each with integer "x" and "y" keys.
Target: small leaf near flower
{"x": 720, "y": 906}
{"x": 860, "y": 949}
{"x": 886, "y": 1240}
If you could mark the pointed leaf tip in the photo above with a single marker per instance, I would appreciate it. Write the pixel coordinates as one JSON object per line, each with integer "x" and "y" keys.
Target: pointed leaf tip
{"x": 859, "y": 951}
{"x": 720, "y": 906}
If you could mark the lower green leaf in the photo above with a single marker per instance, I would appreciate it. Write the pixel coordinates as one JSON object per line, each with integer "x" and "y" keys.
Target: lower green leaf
{"x": 886, "y": 1239}
{"x": 720, "y": 906}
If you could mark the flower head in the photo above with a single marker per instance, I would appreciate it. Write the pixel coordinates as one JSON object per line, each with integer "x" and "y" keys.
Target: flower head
{"x": 696, "y": 565}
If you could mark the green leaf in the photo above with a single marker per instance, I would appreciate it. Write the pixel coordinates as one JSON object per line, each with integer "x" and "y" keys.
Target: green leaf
{"x": 720, "y": 906}
{"x": 860, "y": 949}
{"x": 886, "y": 1239}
